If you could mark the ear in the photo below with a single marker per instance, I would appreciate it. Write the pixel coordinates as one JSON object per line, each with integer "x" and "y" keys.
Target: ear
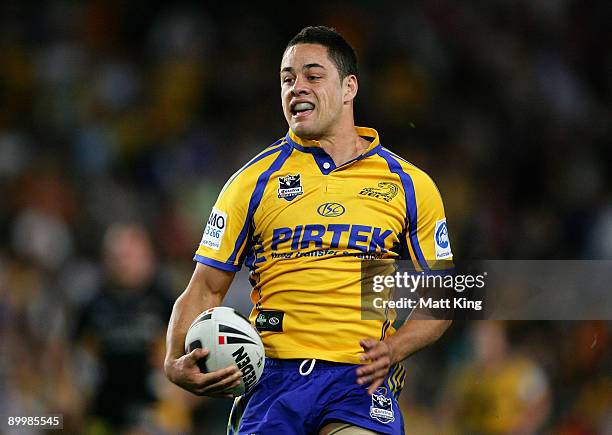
{"x": 349, "y": 87}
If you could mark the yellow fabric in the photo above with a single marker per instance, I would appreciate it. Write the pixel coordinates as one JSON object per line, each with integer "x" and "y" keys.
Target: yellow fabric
{"x": 304, "y": 251}
{"x": 495, "y": 399}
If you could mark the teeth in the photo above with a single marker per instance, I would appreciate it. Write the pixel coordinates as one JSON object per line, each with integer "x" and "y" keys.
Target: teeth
{"x": 303, "y": 106}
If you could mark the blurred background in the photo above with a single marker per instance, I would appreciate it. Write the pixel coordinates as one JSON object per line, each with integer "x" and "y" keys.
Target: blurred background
{"x": 120, "y": 121}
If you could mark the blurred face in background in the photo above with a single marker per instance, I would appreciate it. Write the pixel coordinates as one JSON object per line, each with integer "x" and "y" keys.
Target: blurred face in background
{"x": 128, "y": 255}
{"x": 490, "y": 341}
{"x": 312, "y": 93}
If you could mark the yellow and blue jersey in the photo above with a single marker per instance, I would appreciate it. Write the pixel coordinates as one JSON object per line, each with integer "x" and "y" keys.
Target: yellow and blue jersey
{"x": 302, "y": 225}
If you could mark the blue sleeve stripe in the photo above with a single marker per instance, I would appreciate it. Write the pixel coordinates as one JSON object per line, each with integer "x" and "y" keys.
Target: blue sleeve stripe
{"x": 265, "y": 153}
{"x": 256, "y": 197}
{"x": 249, "y": 245}
{"x": 391, "y": 153}
{"x": 411, "y": 207}
{"x": 216, "y": 264}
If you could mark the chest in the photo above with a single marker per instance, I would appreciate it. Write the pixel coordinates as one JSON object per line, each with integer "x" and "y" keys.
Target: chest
{"x": 360, "y": 208}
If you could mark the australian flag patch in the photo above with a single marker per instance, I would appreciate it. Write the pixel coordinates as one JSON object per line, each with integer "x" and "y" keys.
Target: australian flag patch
{"x": 290, "y": 186}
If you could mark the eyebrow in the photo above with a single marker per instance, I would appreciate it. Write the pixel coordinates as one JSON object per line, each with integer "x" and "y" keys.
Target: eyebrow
{"x": 307, "y": 66}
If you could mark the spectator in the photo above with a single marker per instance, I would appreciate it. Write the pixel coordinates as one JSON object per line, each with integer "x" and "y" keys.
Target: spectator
{"x": 499, "y": 391}
{"x": 122, "y": 324}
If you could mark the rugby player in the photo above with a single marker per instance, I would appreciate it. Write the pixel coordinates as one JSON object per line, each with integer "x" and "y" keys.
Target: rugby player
{"x": 301, "y": 215}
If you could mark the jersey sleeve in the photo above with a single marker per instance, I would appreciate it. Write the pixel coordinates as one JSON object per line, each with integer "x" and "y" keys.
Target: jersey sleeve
{"x": 225, "y": 241}
{"x": 427, "y": 233}
{"x": 226, "y": 232}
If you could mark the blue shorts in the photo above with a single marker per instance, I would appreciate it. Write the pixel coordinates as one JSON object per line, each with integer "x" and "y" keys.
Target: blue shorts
{"x": 287, "y": 402}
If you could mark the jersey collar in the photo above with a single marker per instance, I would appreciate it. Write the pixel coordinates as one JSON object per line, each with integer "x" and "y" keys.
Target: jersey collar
{"x": 314, "y": 146}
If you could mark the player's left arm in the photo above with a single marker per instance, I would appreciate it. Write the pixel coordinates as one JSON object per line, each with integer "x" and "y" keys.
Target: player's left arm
{"x": 432, "y": 244}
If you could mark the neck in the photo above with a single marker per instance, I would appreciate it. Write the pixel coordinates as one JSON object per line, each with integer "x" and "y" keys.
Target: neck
{"x": 343, "y": 146}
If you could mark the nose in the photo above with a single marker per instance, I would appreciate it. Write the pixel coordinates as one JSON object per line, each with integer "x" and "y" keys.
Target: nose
{"x": 299, "y": 87}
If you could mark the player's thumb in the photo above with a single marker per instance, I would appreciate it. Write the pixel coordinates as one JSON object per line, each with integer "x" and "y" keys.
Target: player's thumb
{"x": 197, "y": 354}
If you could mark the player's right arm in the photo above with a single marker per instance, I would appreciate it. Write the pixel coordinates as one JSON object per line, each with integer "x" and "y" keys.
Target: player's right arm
{"x": 206, "y": 289}
{"x": 219, "y": 256}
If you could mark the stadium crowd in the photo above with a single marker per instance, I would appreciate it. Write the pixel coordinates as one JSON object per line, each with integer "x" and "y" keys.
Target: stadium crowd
{"x": 120, "y": 121}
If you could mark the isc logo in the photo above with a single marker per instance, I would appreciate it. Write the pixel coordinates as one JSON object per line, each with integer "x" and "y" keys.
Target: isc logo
{"x": 331, "y": 209}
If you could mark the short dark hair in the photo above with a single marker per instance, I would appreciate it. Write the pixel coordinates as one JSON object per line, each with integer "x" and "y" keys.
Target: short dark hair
{"x": 339, "y": 51}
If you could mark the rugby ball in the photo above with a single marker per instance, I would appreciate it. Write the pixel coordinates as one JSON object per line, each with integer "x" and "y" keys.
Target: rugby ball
{"x": 231, "y": 340}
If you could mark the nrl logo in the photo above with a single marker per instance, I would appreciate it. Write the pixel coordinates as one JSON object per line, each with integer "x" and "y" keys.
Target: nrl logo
{"x": 290, "y": 186}
{"x": 382, "y": 406}
{"x": 385, "y": 191}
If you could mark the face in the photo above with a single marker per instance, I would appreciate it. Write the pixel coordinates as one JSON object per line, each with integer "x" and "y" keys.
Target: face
{"x": 129, "y": 256}
{"x": 312, "y": 93}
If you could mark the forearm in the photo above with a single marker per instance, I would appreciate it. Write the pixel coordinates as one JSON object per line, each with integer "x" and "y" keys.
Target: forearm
{"x": 414, "y": 335}
{"x": 206, "y": 289}
{"x": 185, "y": 309}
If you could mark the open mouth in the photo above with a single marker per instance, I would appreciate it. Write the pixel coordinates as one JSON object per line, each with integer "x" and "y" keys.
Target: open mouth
{"x": 301, "y": 110}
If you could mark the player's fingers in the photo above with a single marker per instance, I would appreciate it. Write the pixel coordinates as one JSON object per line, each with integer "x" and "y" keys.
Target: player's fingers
{"x": 365, "y": 370}
{"x": 367, "y": 377}
{"x": 196, "y": 354}
{"x": 230, "y": 381}
{"x": 367, "y": 343}
{"x": 377, "y": 383}
{"x": 220, "y": 387}
{"x": 378, "y": 364}
{"x": 378, "y": 377}
{"x": 221, "y": 390}
{"x": 205, "y": 379}
{"x": 380, "y": 351}
{"x": 382, "y": 363}
{"x": 375, "y": 357}
{"x": 372, "y": 371}
{"x": 365, "y": 380}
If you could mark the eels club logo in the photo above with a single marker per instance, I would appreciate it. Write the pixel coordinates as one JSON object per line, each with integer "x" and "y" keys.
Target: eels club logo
{"x": 385, "y": 191}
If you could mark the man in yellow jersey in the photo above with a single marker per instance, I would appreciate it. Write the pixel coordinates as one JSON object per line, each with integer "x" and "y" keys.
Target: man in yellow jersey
{"x": 301, "y": 215}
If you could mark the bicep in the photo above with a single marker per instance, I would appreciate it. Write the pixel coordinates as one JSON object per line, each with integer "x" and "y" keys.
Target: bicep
{"x": 209, "y": 282}
{"x": 206, "y": 289}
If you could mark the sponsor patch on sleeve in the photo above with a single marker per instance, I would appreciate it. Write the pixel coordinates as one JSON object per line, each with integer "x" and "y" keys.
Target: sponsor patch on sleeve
{"x": 215, "y": 227}
{"x": 442, "y": 242}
